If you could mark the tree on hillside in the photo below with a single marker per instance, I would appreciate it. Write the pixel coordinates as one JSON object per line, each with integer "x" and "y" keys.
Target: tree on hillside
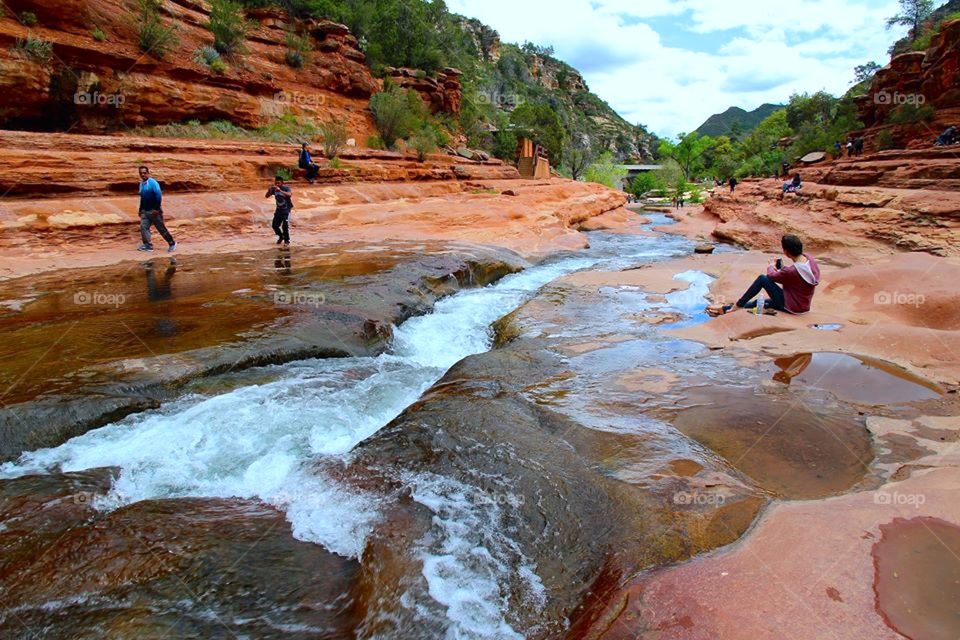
{"x": 913, "y": 13}
{"x": 688, "y": 152}
{"x": 606, "y": 171}
{"x": 736, "y": 130}
{"x": 577, "y": 156}
{"x": 864, "y": 72}
{"x": 720, "y": 160}
{"x": 814, "y": 109}
{"x": 541, "y": 123}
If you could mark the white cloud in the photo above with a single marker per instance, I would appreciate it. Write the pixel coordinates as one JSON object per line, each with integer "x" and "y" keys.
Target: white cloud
{"x": 761, "y": 51}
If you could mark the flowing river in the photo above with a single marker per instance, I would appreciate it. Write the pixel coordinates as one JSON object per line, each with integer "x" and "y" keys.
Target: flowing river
{"x": 270, "y": 441}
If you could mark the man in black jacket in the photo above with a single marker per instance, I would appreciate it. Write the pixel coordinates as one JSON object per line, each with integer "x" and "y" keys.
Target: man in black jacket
{"x": 281, "y": 217}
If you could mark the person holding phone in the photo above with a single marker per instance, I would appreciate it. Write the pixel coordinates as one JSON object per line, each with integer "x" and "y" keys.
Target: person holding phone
{"x": 281, "y": 217}
{"x": 790, "y": 288}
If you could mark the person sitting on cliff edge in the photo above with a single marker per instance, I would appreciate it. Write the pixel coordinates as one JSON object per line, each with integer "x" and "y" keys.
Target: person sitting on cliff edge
{"x": 799, "y": 281}
{"x": 306, "y": 162}
{"x": 151, "y": 211}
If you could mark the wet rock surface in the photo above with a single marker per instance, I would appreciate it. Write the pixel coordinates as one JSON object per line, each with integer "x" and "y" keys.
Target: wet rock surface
{"x": 90, "y": 347}
{"x": 184, "y": 568}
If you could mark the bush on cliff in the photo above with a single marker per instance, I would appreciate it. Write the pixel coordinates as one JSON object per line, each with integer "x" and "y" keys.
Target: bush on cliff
{"x": 229, "y": 26}
{"x": 424, "y": 141}
{"x": 34, "y": 49}
{"x": 911, "y": 114}
{"x": 210, "y": 57}
{"x": 333, "y": 135}
{"x": 154, "y": 37}
{"x": 397, "y": 113}
{"x": 298, "y": 50}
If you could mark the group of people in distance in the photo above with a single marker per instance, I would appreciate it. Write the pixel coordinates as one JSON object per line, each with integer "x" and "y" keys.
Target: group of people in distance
{"x": 853, "y": 147}
{"x": 790, "y": 287}
{"x": 151, "y": 204}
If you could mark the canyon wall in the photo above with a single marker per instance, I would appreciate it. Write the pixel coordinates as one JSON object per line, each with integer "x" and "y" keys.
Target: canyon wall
{"x": 98, "y": 79}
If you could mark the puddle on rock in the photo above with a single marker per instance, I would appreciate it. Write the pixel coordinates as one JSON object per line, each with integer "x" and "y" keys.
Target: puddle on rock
{"x": 829, "y": 326}
{"x": 854, "y": 378}
{"x": 797, "y": 449}
{"x": 917, "y": 580}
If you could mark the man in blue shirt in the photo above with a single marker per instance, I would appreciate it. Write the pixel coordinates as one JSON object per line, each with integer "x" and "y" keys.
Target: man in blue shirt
{"x": 151, "y": 211}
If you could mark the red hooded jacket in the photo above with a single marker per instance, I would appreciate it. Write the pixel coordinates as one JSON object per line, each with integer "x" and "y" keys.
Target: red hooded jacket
{"x": 799, "y": 282}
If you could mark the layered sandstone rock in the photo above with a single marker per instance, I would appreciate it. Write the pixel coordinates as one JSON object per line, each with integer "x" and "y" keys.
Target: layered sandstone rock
{"x": 442, "y": 93}
{"x": 916, "y": 78}
{"x": 90, "y": 85}
{"x": 858, "y": 220}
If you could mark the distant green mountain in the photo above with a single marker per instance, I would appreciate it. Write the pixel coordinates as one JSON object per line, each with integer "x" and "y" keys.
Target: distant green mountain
{"x": 719, "y": 124}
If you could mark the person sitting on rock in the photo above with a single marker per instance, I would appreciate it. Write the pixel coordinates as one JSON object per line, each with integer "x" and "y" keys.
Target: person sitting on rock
{"x": 306, "y": 162}
{"x": 792, "y": 186}
{"x": 281, "y": 217}
{"x": 799, "y": 282}
{"x": 949, "y": 136}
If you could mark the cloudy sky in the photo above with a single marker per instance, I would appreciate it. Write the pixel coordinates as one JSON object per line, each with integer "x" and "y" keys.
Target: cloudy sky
{"x": 670, "y": 64}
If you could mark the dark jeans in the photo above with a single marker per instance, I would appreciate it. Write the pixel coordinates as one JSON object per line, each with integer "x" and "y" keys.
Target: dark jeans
{"x": 281, "y": 225}
{"x": 155, "y": 218}
{"x": 312, "y": 170}
{"x": 763, "y": 283}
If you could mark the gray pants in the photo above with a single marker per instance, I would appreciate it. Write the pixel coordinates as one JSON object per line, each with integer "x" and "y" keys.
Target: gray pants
{"x": 154, "y": 218}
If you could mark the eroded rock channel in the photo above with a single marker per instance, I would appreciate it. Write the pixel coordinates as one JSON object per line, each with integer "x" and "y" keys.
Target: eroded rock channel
{"x": 499, "y": 462}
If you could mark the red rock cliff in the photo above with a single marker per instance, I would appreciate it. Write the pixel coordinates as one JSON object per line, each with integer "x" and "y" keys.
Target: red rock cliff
{"x": 92, "y": 85}
{"x": 924, "y": 78}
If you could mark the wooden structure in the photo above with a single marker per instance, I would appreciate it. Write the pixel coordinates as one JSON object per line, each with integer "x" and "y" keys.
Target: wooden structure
{"x": 533, "y": 161}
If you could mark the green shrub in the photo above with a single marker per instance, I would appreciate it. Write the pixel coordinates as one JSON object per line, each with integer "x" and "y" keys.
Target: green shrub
{"x": 335, "y": 163}
{"x": 885, "y": 140}
{"x": 28, "y": 18}
{"x": 424, "y": 141}
{"x": 298, "y": 50}
{"x": 34, "y": 48}
{"x": 229, "y": 26}
{"x": 911, "y": 114}
{"x": 98, "y": 35}
{"x": 153, "y": 36}
{"x": 397, "y": 113}
{"x": 286, "y": 129}
{"x": 334, "y": 136}
{"x": 206, "y": 56}
{"x": 645, "y": 182}
{"x": 375, "y": 142}
{"x": 420, "y": 74}
{"x": 606, "y": 171}
{"x": 219, "y": 67}
{"x": 285, "y": 173}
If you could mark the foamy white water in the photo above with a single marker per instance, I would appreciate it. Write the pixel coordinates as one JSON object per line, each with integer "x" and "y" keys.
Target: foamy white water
{"x": 265, "y": 442}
